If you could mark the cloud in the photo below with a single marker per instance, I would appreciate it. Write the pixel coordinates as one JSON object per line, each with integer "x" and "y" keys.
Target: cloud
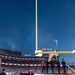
{"x": 8, "y": 44}
{"x": 46, "y": 39}
{"x": 43, "y": 36}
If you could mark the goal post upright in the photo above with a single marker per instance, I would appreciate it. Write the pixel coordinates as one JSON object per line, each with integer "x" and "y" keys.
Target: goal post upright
{"x": 36, "y": 24}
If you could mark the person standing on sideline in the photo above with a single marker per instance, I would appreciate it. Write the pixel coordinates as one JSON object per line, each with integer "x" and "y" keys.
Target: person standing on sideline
{"x": 43, "y": 64}
{"x": 47, "y": 66}
{"x": 63, "y": 65}
{"x": 52, "y": 65}
{"x": 3, "y": 72}
{"x": 30, "y": 72}
{"x": 58, "y": 65}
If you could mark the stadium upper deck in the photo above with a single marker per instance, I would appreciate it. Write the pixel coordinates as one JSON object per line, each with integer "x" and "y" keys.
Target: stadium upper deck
{"x": 14, "y": 58}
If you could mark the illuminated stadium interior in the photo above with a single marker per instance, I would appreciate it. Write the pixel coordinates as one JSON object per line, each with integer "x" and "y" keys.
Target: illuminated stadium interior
{"x": 13, "y": 62}
{"x": 17, "y": 63}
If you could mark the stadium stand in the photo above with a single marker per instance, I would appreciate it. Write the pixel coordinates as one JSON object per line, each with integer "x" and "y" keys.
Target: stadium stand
{"x": 10, "y": 52}
{"x": 16, "y": 64}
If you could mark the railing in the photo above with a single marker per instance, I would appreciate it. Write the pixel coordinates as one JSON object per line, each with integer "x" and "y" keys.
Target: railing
{"x": 71, "y": 71}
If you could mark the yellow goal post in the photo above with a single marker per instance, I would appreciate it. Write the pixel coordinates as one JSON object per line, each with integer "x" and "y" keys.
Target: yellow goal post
{"x": 46, "y": 52}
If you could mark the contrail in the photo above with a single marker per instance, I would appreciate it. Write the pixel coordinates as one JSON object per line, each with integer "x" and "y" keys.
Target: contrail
{"x": 56, "y": 41}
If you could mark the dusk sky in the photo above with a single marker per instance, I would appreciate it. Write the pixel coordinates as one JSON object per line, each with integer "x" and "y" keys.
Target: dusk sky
{"x": 56, "y": 21}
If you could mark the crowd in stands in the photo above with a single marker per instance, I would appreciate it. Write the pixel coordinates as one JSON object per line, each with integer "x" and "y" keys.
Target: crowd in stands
{"x": 16, "y": 64}
{"x": 36, "y": 70}
{"x": 25, "y": 68}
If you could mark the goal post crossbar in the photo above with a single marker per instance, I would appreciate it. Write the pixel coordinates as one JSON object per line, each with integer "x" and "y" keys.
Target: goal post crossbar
{"x": 58, "y": 52}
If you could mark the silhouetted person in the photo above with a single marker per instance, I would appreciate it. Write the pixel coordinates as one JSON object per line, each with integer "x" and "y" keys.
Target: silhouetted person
{"x": 58, "y": 65}
{"x": 47, "y": 66}
{"x": 54, "y": 58}
{"x": 3, "y": 72}
{"x": 43, "y": 64}
{"x": 30, "y": 73}
{"x": 63, "y": 65}
{"x": 52, "y": 65}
